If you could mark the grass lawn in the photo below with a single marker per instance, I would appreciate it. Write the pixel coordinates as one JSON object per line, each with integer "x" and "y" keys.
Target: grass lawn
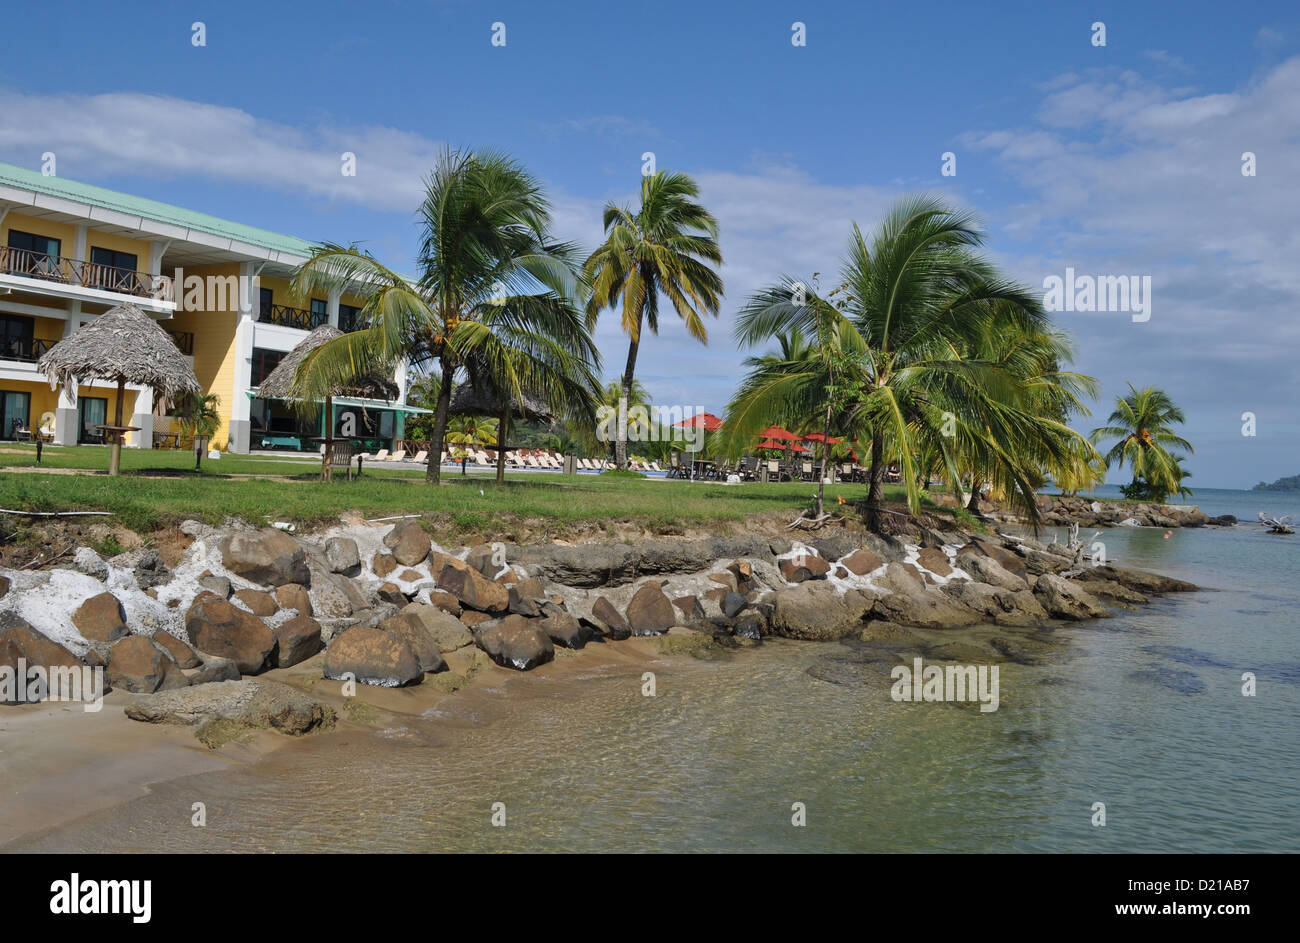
{"x": 160, "y": 488}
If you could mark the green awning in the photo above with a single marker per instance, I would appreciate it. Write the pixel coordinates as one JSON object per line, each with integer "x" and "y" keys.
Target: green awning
{"x": 357, "y": 401}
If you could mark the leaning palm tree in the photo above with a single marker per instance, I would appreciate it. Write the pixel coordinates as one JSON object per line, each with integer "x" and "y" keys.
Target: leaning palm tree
{"x": 485, "y": 243}
{"x": 1143, "y": 423}
{"x": 665, "y": 247}
{"x": 909, "y": 297}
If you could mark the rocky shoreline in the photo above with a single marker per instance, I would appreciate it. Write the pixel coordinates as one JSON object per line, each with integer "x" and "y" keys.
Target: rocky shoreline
{"x": 1059, "y": 511}
{"x": 383, "y": 604}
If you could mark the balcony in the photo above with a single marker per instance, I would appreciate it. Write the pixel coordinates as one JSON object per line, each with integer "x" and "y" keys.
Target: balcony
{"x": 184, "y": 341}
{"x": 64, "y": 271}
{"x": 285, "y": 316}
{"x": 24, "y": 349}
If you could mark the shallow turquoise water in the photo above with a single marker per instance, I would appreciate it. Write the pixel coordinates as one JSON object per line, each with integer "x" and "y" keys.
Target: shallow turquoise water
{"x": 1144, "y": 713}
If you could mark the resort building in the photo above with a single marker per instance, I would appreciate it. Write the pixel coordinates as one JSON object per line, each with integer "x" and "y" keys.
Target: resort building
{"x": 70, "y": 251}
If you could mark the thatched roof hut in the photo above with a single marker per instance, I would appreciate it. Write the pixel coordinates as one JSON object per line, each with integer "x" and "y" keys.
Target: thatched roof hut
{"x": 279, "y": 383}
{"x": 479, "y": 397}
{"x": 122, "y": 345}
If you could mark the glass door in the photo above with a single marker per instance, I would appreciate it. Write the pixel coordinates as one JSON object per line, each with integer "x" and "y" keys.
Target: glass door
{"x": 91, "y": 411}
{"x": 14, "y": 413}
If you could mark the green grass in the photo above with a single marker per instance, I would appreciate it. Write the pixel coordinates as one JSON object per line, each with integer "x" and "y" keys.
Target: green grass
{"x": 466, "y": 505}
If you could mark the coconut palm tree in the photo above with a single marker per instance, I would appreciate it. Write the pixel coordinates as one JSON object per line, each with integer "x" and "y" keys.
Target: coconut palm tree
{"x": 485, "y": 244}
{"x": 464, "y": 432}
{"x": 913, "y": 303}
{"x": 1143, "y": 423}
{"x": 665, "y": 247}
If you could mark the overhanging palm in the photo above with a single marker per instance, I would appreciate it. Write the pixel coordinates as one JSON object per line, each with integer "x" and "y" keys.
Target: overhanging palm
{"x": 666, "y": 247}
{"x": 485, "y": 244}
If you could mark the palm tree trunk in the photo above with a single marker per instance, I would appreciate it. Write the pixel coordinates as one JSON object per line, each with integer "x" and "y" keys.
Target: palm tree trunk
{"x": 826, "y": 448}
{"x": 620, "y": 446}
{"x": 973, "y": 505}
{"x": 876, "y": 492}
{"x": 503, "y": 430}
{"x": 440, "y": 422}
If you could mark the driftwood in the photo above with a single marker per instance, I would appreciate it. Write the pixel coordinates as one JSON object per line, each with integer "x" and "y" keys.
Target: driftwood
{"x": 1277, "y": 525}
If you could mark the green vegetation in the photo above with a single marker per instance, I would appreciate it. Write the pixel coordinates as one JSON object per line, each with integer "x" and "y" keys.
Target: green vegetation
{"x": 1291, "y": 483}
{"x": 667, "y": 247}
{"x": 468, "y": 507}
{"x": 1143, "y": 422}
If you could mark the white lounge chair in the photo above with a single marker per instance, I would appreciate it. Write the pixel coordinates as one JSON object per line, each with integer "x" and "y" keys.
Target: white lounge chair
{"x": 398, "y": 456}
{"x": 421, "y": 457}
{"x": 381, "y": 456}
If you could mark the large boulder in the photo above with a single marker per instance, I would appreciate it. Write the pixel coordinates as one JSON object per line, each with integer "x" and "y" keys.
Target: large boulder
{"x": 934, "y": 560}
{"x": 409, "y": 627}
{"x": 998, "y": 605}
{"x": 474, "y": 590}
{"x": 248, "y": 703}
{"x": 650, "y": 612}
{"x": 269, "y": 557}
{"x": 136, "y": 664}
{"x": 1139, "y": 580}
{"x": 408, "y": 542}
{"x": 817, "y": 611}
{"x": 101, "y": 618}
{"x": 515, "y": 642}
{"x": 1011, "y": 562}
{"x": 336, "y": 597}
{"x": 908, "y": 602}
{"x": 342, "y": 555}
{"x": 448, "y": 632}
{"x": 258, "y": 602}
{"x": 1066, "y": 600}
{"x": 181, "y": 653}
{"x": 984, "y": 569}
{"x": 217, "y": 627}
{"x": 293, "y": 596}
{"x": 22, "y": 646}
{"x": 296, "y": 641}
{"x": 862, "y": 562}
{"x": 372, "y": 656}
{"x": 563, "y": 629}
{"x": 610, "y": 620}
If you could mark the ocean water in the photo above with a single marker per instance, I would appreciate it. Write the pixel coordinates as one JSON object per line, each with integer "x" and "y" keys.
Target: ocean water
{"x": 1143, "y": 713}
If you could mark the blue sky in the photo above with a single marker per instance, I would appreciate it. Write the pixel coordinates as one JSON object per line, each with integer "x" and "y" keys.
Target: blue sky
{"x": 1122, "y": 159}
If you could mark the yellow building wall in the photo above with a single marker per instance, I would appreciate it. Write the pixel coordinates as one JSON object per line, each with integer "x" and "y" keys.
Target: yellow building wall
{"x": 214, "y": 346}
{"x": 45, "y": 401}
{"x": 102, "y": 240}
{"x": 67, "y": 235}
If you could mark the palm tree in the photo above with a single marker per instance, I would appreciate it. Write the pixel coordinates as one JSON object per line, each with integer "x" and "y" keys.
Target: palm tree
{"x": 485, "y": 244}
{"x": 466, "y": 431}
{"x": 912, "y": 303}
{"x": 666, "y": 247}
{"x": 616, "y": 406}
{"x": 1142, "y": 422}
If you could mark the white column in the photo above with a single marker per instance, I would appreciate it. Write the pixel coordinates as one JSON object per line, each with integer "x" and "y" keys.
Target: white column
{"x": 142, "y": 416}
{"x": 66, "y": 431}
{"x": 244, "y": 330}
{"x": 332, "y": 307}
{"x": 79, "y": 246}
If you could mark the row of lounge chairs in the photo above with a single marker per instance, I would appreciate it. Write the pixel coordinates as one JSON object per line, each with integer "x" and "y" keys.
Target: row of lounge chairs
{"x": 537, "y": 458}
{"x": 752, "y": 468}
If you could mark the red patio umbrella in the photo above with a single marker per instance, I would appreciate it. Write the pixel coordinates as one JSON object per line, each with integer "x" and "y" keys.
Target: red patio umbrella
{"x": 706, "y": 421}
{"x": 776, "y": 432}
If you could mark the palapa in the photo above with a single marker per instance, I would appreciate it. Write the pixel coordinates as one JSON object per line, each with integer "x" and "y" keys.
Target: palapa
{"x": 123, "y": 345}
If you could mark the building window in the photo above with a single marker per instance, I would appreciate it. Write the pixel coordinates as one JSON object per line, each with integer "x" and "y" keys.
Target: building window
{"x": 350, "y": 319}
{"x": 264, "y": 361}
{"x": 112, "y": 271}
{"x": 31, "y": 255}
{"x": 92, "y": 411}
{"x": 15, "y": 409}
{"x": 265, "y": 300}
{"x": 16, "y": 337}
{"x": 319, "y": 312}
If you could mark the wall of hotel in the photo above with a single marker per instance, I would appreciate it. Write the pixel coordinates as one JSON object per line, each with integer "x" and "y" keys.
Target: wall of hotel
{"x": 67, "y": 236}
{"x": 45, "y": 401}
{"x": 214, "y": 343}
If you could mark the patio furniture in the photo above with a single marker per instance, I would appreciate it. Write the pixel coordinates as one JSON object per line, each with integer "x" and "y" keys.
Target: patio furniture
{"x": 398, "y": 456}
{"x": 90, "y": 433}
{"x": 421, "y": 457}
{"x": 338, "y": 454}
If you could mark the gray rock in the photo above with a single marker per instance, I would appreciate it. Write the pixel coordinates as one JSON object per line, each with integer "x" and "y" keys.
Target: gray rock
{"x": 87, "y": 561}
{"x": 250, "y": 703}
{"x": 1066, "y": 600}
{"x": 342, "y": 556}
{"x": 269, "y": 557}
{"x": 149, "y": 570}
{"x": 817, "y": 611}
{"x": 219, "y": 585}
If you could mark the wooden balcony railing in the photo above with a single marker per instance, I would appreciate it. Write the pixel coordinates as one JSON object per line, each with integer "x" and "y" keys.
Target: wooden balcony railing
{"x": 55, "y": 268}
{"x": 24, "y": 348}
{"x": 286, "y": 316}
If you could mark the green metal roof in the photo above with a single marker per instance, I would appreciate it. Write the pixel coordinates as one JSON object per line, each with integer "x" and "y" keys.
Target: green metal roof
{"x": 63, "y": 188}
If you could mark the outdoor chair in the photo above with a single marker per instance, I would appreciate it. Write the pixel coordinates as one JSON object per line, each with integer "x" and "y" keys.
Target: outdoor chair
{"x": 398, "y": 456}
{"x": 91, "y": 434}
{"x": 421, "y": 457}
{"x": 339, "y": 453}
{"x": 381, "y": 456}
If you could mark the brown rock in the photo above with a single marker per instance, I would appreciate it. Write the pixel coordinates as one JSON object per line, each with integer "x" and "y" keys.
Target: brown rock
{"x": 136, "y": 664}
{"x": 410, "y": 576}
{"x": 4, "y": 586}
{"x": 448, "y": 632}
{"x": 445, "y": 601}
{"x": 384, "y": 565}
{"x": 101, "y": 618}
{"x": 389, "y": 592}
{"x": 817, "y": 611}
{"x": 615, "y": 625}
{"x": 934, "y": 560}
{"x": 258, "y": 602}
{"x": 296, "y": 641}
{"x": 650, "y": 612}
{"x": 372, "y": 656}
{"x": 293, "y": 596}
{"x": 474, "y": 590}
{"x": 530, "y": 588}
{"x": 409, "y": 627}
{"x": 270, "y": 557}
{"x": 18, "y": 640}
{"x": 408, "y": 542}
{"x": 515, "y": 642}
{"x": 862, "y": 562}
{"x": 217, "y": 627}
{"x": 690, "y": 609}
{"x": 807, "y": 567}
{"x": 182, "y": 654}
{"x": 471, "y": 618}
